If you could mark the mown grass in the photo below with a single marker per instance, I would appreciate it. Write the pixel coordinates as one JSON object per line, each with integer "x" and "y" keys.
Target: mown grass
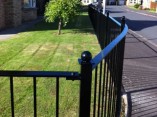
{"x": 40, "y": 48}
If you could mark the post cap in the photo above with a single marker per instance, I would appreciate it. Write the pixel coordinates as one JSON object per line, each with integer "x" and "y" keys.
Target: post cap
{"x": 123, "y": 19}
{"x": 86, "y": 56}
{"x": 107, "y": 12}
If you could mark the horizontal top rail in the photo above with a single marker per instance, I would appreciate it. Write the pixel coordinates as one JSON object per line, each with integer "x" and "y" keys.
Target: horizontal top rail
{"x": 109, "y": 35}
{"x": 67, "y": 75}
{"x": 118, "y": 23}
{"x": 98, "y": 58}
{"x": 96, "y": 8}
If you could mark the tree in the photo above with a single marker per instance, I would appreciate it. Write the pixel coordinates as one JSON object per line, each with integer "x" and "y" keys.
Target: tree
{"x": 63, "y": 10}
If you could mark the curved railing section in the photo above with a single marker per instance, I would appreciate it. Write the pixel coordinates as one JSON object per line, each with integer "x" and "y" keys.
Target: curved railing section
{"x": 98, "y": 58}
{"x": 106, "y": 66}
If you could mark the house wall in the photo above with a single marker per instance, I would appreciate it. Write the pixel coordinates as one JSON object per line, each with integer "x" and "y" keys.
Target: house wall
{"x": 17, "y": 12}
{"x": 87, "y": 2}
{"x": 133, "y": 2}
{"x": 10, "y": 13}
{"x": 29, "y": 14}
{"x": 146, "y": 4}
{"x": 2, "y": 17}
{"x": 41, "y": 6}
{"x": 8, "y": 5}
{"x": 153, "y": 5}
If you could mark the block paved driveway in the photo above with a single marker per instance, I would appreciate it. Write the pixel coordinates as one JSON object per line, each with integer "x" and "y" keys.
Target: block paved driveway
{"x": 140, "y": 76}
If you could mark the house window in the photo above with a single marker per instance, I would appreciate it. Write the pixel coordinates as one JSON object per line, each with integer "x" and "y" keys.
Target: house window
{"x": 29, "y": 3}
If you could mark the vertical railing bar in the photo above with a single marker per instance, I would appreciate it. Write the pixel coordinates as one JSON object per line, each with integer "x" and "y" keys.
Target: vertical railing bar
{"x": 99, "y": 88}
{"x": 113, "y": 76}
{"x": 114, "y": 67}
{"x": 121, "y": 57}
{"x": 95, "y": 91}
{"x": 106, "y": 91}
{"x": 103, "y": 88}
{"x": 112, "y": 34}
{"x": 57, "y": 97}
{"x": 106, "y": 65}
{"x": 107, "y": 29}
{"x": 116, "y": 75}
{"x": 85, "y": 84}
{"x": 116, "y": 78}
{"x": 120, "y": 67}
{"x": 112, "y": 98}
{"x": 98, "y": 35}
{"x": 110, "y": 80}
{"x": 106, "y": 87}
{"x": 12, "y": 95}
{"x": 110, "y": 86}
{"x": 35, "y": 98}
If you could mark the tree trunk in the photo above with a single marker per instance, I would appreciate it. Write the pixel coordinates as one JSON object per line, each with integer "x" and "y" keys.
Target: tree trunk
{"x": 59, "y": 27}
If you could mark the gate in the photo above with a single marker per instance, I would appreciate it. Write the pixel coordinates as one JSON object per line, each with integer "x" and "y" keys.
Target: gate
{"x": 100, "y": 77}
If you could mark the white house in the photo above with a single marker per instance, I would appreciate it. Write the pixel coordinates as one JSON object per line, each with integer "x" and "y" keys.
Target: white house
{"x": 87, "y": 2}
{"x": 145, "y": 3}
{"x": 133, "y": 2}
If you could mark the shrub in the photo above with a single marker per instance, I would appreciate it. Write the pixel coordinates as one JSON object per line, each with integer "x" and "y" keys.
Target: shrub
{"x": 146, "y": 9}
{"x": 136, "y": 6}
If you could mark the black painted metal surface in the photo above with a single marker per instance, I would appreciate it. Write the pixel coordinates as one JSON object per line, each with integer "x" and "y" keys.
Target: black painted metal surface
{"x": 108, "y": 64}
{"x": 35, "y": 75}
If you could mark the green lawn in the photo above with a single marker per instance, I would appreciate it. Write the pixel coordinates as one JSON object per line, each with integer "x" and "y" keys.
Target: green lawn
{"x": 40, "y": 48}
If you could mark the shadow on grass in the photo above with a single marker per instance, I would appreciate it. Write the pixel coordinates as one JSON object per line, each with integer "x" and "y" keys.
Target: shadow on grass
{"x": 81, "y": 24}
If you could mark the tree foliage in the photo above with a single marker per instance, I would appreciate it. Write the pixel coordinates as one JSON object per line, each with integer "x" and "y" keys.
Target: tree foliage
{"x": 64, "y": 10}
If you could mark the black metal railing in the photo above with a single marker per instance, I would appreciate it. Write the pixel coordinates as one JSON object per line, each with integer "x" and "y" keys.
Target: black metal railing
{"x": 100, "y": 77}
{"x": 105, "y": 27}
{"x": 107, "y": 66}
{"x": 35, "y": 75}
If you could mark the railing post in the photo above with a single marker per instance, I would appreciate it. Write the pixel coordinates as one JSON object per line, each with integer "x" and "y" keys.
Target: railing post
{"x": 122, "y": 23}
{"x": 12, "y": 95}
{"x": 85, "y": 85}
{"x": 120, "y": 62}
